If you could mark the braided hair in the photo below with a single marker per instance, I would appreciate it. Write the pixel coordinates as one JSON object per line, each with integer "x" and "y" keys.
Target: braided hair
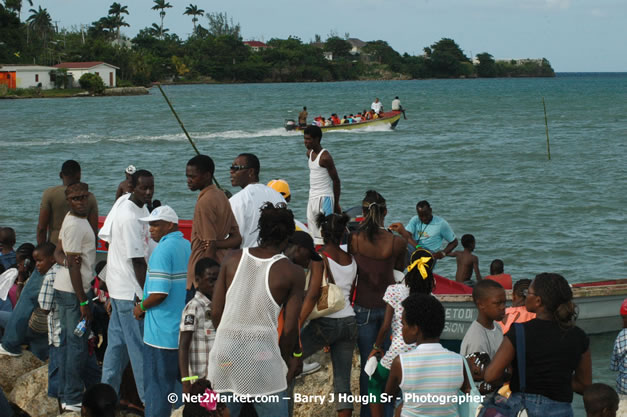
{"x": 414, "y": 279}
{"x": 557, "y": 298}
{"x": 332, "y": 227}
{"x": 373, "y": 206}
{"x": 276, "y": 224}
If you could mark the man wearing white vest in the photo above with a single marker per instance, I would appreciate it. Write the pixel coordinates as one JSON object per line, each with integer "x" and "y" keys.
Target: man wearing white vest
{"x": 324, "y": 182}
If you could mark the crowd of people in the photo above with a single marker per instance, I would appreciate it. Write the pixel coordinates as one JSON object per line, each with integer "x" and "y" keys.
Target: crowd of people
{"x": 232, "y": 314}
{"x": 375, "y": 112}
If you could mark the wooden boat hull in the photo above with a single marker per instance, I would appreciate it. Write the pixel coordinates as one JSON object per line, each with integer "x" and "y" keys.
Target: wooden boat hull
{"x": 391, "y": 118}
{"x": 598, "y": 303}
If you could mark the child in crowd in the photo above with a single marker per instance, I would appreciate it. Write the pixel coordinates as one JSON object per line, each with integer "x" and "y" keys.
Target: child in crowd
{"x": 497, "y": 274}
{"x": 197, "y": 333}
{"x": 99, "y": 400}
{"x": 619, "y": 358}
{"x": 208, "y": 406}
{"x": 45, "y": 264}
{"x": 7, "y": 241}
{"x": 466, "y": 261}
{"x": 484, "y": 336}
{"x": 429, "y": 368}
{"x": 600, "y": 400}
{"x": 517, "y": 313}
{"x": 419, "y": 279}
{"x": 25, "y": 266}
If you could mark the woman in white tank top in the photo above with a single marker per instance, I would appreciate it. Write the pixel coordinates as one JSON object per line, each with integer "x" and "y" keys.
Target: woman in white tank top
{"x": 337, "y": 330}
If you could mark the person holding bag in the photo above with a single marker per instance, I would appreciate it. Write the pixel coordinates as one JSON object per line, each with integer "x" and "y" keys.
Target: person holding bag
{"x": 557, "y": 353}
{"x": 335, "y": 329}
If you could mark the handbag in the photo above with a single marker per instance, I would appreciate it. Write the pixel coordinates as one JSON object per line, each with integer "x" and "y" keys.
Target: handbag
{"x": 331, "y": 298}
{"x": 38, "y": 321}
{"x": 469, "y": 408}
{"x": 497, "y": 405}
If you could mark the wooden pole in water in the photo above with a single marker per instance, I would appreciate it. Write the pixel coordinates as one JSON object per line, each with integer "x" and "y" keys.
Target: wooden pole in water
{"x": 228, "y": 193}
{"x": 546, "y": 124}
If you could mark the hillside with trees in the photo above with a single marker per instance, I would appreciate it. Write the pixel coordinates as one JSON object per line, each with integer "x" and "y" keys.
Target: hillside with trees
{"x": 215, "y": 51}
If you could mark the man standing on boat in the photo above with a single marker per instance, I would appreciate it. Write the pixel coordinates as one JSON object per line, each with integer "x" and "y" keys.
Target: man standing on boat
{"x": 247, "y": 202}
{"x": 377, "y": 106}
{"x": 302, "y": 117}
{"x": 324, "y": 182}
{"x": 428, "y": 231}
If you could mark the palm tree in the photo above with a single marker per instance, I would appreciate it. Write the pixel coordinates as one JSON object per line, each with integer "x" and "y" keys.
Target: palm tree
{"x": 117, "y": 10}
{"x": 40, "y": 22}
{"x": 193, "y": 10}
{"x": 161, "y": 5}
{"x": 156, "y": 30}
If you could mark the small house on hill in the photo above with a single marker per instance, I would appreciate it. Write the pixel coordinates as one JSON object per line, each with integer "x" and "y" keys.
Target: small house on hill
{"x": 256, "y": 45}
{"x": 26, "y": 76}
{"x": 357, "y": 45}
{"x": 107, "y": 72}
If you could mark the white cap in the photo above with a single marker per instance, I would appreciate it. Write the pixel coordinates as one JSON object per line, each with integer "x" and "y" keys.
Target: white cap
{"x": 130, "y": 170}
{"x": 165, "y": 213}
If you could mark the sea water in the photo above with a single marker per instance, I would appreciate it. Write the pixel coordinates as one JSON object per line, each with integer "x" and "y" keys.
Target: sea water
{"x": 475, "y": 149}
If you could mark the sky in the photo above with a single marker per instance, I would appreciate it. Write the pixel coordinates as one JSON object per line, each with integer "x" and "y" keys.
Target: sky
{"x": 574, "y": 35}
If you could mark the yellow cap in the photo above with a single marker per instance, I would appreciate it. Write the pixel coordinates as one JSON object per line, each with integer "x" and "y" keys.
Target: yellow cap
{"x": 281, "y": 186}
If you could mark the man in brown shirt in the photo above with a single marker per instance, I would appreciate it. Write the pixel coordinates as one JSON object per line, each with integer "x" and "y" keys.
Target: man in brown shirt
{"x": 214, "y": 228}
{"x": 54, "y": 205}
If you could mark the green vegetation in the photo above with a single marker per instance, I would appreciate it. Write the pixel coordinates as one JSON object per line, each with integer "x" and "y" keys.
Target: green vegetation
{"x": 92, "y": 83}
{"x": 215, "y": 52}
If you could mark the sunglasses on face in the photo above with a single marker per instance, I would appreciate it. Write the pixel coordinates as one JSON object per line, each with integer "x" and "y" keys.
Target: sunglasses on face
{"x": 238, "y": 167}
{"x": 79, "y": 197}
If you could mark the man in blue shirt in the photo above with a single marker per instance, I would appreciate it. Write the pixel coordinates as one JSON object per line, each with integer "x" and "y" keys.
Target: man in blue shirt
{"x": 428, "y": 231}
{"x": 162, "y": 306}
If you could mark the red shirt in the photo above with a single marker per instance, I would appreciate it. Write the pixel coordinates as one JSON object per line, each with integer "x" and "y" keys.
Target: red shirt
{"x": 504, "y": 279}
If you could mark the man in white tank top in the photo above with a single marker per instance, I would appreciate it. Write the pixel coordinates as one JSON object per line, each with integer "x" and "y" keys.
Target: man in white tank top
{"x": 324, "y": 182}
{"x": 247, "y": 358}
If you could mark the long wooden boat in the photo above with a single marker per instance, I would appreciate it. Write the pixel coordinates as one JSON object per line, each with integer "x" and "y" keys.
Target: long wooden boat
{"x": 390, "y": 117}
{"x": 598, "y": 303}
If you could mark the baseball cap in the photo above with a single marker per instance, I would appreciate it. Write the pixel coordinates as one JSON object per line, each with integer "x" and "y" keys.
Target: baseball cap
{"x": 165, "y": 213}
{"x": 280, "y": 186}
{"x": 130, "y": 170}
{"x": 623, "y": 308}
{"x": 304, "y": 240}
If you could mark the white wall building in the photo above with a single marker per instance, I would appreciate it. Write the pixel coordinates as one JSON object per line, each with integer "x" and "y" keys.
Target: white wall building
{"x": 26, "y": 76}
{"x": 107, "y": 72}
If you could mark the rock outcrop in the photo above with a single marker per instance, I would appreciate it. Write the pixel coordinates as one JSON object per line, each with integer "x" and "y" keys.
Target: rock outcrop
{"x": 11, "y": 368}
{"x": 31, "y": 394}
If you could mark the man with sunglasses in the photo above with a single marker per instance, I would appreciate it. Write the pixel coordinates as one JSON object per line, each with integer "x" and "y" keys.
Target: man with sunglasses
{"x": 247, "y": 202}
{"x": 77, "y": 247}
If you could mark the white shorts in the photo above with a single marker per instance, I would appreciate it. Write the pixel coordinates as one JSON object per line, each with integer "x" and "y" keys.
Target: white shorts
{"x": 316, "y": 206}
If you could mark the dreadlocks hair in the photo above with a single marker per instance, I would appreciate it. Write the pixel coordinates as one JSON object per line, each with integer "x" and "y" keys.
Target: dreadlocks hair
{"x": 557, "y": 298}
{"x": 276, "y": 224}
{"x": 332, "y": 227}
{"x": 414, "y": 279}
{"x": 374, "y": 209}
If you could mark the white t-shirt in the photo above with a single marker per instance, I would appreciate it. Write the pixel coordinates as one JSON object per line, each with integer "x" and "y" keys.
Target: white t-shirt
{"x": 246, "y": 204}
{"x": 130, "y": 238}
{"x": 396, "y": 104}
{"x": 77, "y": 238}
{"x": 376, "y": 106}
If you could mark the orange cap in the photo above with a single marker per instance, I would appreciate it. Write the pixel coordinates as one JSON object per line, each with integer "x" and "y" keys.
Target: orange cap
{"x": 281, "y": 186}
